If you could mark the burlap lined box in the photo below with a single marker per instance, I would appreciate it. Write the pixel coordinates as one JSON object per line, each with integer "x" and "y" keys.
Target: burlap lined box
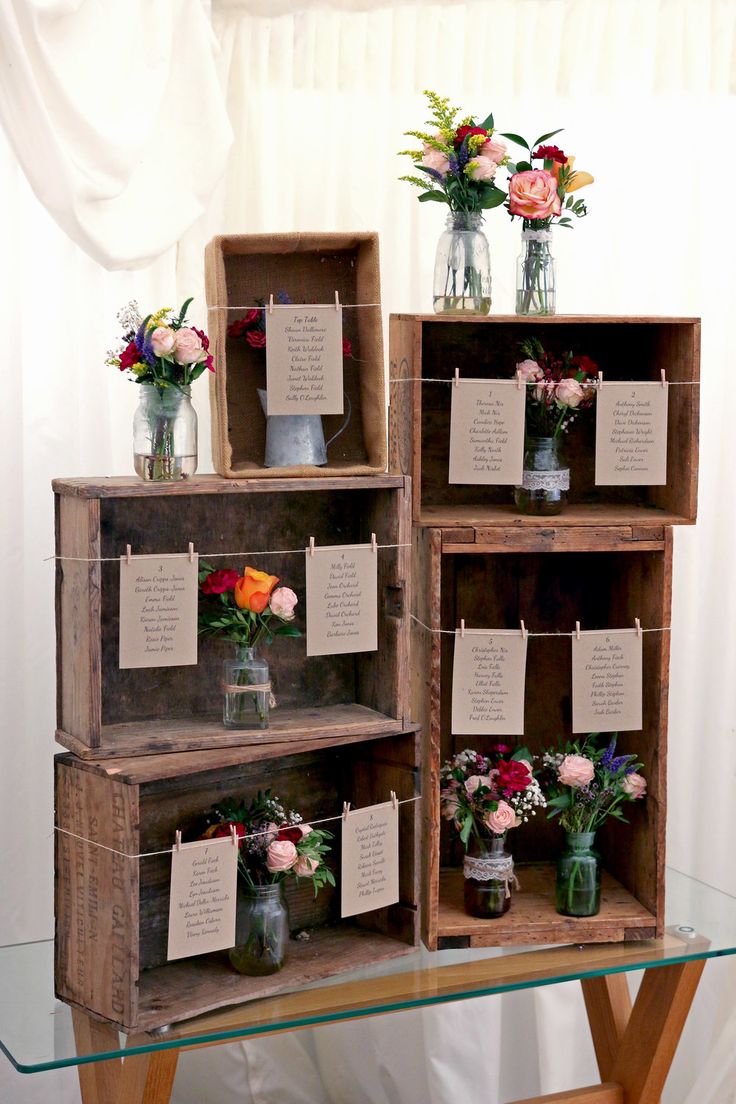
{"x": 240, "y": 269}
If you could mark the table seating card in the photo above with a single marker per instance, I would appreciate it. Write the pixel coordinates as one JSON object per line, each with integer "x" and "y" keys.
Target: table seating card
{"x": 487, "y": 432}
{"x": 607, "y": 681}
{"x": 488, "y": 677}
{"x": 370, "y": 858}
{"x": 304, "y": 360}
{"x": 158, "y": 610}
{"x": 342, "y": 599}
{"x": 202, "y": 902}
{"x": 631, "y": 434}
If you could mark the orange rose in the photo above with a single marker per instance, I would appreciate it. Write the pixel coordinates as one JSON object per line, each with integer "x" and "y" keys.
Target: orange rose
{"x": 253, "y": 589}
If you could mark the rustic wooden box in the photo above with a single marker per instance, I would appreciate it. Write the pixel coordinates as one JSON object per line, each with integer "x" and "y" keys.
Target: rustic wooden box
{"x": 112, "y": 911}
{"x": 428, "y": 347}
{"x": 492, "y": 578}
{"x": 104, "y": 711}
{"x": 240, "y": 269}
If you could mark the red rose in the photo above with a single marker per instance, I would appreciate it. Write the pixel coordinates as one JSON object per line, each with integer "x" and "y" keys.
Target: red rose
{"x": 240, "y": 325}
{"x": 584, "y": 364}
{"x": 293, "y": 835}
{"x": 501, "y": 749}
{"x": 218, "y": 582}
{"x": 202, "y": 337}
{"x": 223, "y": 829}
{"x": 256, "y": 338}
{"x": 550, "y": 153}
{"x": 512, "y": 777}
{"x": 464, "y": 132}
{"x": 347, "y": 348}
{"x": 129, "y": 357}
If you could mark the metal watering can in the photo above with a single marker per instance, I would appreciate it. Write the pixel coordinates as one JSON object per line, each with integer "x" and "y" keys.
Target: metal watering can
{"x": 297, "y": 438}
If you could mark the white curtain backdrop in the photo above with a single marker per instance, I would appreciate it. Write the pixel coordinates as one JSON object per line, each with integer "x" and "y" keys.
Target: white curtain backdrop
{"x": 318, "y": 96}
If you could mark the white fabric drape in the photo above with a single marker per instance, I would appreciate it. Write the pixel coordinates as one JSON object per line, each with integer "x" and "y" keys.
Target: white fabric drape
{"x": 318, "y": 97}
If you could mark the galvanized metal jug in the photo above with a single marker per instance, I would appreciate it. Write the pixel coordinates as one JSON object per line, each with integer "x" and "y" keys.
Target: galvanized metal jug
{"x": 297, "y": 438}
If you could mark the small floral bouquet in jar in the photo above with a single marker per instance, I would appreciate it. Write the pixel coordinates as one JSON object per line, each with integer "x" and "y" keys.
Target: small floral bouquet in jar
{"x": 274, "y": 846}
{"x": 483, "y": 796}
{"x": 245, "y": 609}
{"x": 585, "y": 783}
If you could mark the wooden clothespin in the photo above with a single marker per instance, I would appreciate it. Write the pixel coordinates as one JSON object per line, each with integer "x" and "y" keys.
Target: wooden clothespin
{"x": 178, "y": 840}
{"x": 374, "y": 546}
{"x": 600, "y": 380}
{"x": 394, "y": 802}
{"x": 337, "y": 300}
{"x": 637, "y": 626}
{"x": 577, "y": 629}
{"x": 663, "y": 377}
{"x": 457, "y": 377}
{"x": 233, "y": 835}
{"x": 311, "y": 546}
{"x": 345, "y": 809}
{"x": 128, "y": 554}
{"x": 191, "y": 552}
{"x": 524, "y": 630}
{"x": 270, "y": 303}
{"x": 519, "y": 384}
{"x": 462, "y": 627}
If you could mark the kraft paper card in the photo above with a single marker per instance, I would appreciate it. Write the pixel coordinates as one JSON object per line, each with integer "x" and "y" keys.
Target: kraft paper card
{"x": 370, "y": 858}
{"x": 158, "y": 611}
{"x": 203, "y": 898}
{"x": 607, "y": 681}
{"x": 342, "y": 599}
{"x": 487, "y": 432}
{"x": 631, "y": 435}
{"x": 488, "y": 677}
{"x": 304, "y": 360}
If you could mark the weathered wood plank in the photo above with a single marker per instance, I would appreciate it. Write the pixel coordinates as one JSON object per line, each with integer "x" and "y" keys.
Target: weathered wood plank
{"x": 129, "y": 486}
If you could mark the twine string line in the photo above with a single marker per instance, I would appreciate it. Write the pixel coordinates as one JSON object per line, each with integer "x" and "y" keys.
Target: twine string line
{"x": 516, "y": 632}
{"x": 207, "y": 555}
{"x": 536, "y": 383}
{"x": 207, "y": 843}
{"x": 293, "y": 306}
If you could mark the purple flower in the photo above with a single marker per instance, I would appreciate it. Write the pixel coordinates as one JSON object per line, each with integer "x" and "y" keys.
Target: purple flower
{"x": 454, "y": 167}
{"x": 434, "y": 174}
{"x": 462, "y": 154}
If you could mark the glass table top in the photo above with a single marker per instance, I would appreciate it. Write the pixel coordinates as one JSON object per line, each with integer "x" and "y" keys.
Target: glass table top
{"x": 36, "y": 1029}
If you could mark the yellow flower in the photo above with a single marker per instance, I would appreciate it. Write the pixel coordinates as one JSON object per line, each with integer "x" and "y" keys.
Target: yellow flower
{"x": 576, "y": 179}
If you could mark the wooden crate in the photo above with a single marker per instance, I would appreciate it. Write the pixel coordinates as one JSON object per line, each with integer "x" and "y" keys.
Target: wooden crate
{"x": 112, "y": 911}
{"x": 492, "y": 578}
{"x": 432, "y": 347}
{"x": 104, "y": 711}
{"x": 240, "y": 269}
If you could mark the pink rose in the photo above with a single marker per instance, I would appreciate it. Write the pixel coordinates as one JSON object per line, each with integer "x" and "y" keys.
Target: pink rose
{"x": 435, "y": 159}
{"x": 281, "y": 855}
{"x": 528, "y": 370}
{"x": 502, "y": 819}
{"x": 482, "y": 168}
{"x": 494, "y": 149}
{"x": 449, "y": 804}
{"x": 188, "y": 348}
{"x": 540, "y": 391}
{"x": 634, "y": 785}
{"x": 575, "y": 770}
{"x": 162, "y": 340}
{"x": 569, "y": 393}
{"x": 305, "y": 866}
{"x": 282, "y": 603}
{"x": 533, "y": 194}
{"x": 476, "y": 780}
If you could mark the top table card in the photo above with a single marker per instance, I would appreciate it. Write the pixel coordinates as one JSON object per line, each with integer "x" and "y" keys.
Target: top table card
{"x": 631, "y": 435}
{"x": 487, "y": 432}
{"x": 304, "y": 360}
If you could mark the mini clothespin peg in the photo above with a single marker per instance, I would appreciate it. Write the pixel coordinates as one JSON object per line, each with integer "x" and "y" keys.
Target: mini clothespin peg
{"x": 374, "y": 546}
{"x": 462, "y": 627}
{"x": 577, "y": 629}
{"x": 524, "y": 630}
{"x": 457, "y": 377}
{"x": 311, "y": 546}
{"x": 178, "y": 840}
{"x": 663, "y": 377}
{"x": 233, "y": 836}
{"x": 270, "y": 303}
{"x": 128, "y": 554}
{"x": 600, "y": 380}
{"x": 191, "y": 552}
{"x": 518, "y": 380}
{"x": 345, "y": 809}
{"x": 394, "y": 802}
{"x": 637, "y": 626}
{"x": 337, "y": 300}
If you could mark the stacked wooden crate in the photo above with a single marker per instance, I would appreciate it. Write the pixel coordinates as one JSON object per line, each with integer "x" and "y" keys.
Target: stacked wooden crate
{"x": 150, "y": 755}
{"x": 604, "y": 561}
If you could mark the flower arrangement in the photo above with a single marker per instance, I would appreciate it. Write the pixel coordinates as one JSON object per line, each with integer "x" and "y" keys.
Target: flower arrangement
{"x": 275, "y": 844}
{"x": 541, "y": 196}
{"x": 252, "y": 326}
{"x": 161, "y": 349}
{"x": 244, "y": 608}
{"x": 459, "y": 159}
{"x": 585, "y": 784}
{"x": 564, "y": 386}
{"x": 486, "y": 795}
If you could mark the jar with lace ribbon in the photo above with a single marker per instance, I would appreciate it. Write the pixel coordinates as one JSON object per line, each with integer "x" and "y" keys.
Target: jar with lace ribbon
{"x": 489, "y": 878}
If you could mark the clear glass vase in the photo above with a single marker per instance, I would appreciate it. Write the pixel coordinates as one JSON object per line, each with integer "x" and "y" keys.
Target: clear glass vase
{"x": 488, "y": 871}
{"x": 546, "y": 477}
{"x": 462, "y": 268}
{"x": 535, "y": 274}
{"x": 578, "y": 887}
{"x": 263, "y": 930}
{"x": 164, "y": 433}
{"x": 247, "y": 691}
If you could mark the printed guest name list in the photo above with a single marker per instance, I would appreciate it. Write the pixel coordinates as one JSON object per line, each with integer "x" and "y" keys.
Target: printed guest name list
{"x": 607, "y": 681}
{"x": 486, "y": 432}
{"x": 158, "y": 611}
{"x": 342, "y": 600}
{"x": 488, "y": 678}
{"x": 631, "y": 435}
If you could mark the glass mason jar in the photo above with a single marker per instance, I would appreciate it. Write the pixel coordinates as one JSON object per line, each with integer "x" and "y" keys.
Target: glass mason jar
{"x": 247, "y": 691}
{"x": 546, "y": 477}
{"x": 489, "y": 873}
{"x": 164, "y": 433}
{"x": 263, "y": 930}
{"x": 462, "y": 267}
{"x": 578, "y": 888}
{"x": 535, "y": 274}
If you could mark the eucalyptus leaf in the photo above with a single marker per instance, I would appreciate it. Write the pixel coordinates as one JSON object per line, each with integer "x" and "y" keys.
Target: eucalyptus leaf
{"x": 487, "y": 123}
{"x": 546, "y": 136}
{"x": 516, "y": 138}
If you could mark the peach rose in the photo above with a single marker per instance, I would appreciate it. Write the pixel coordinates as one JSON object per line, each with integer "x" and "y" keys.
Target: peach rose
{"x": 188, "y": 348}
{"x": 533, "y": 194}
{"x": 527, "y": 370}
{"x": 502, "y": 819}
{"x": 494, "y": 149}
{"x": 162, "y": 340}
{"x": 569, "y": 393}
{"x": 281, "y": 856}
{"x": 435, "y": 159}
{"x": 634, "y": 785}
{"x": 576, "y": 771}
{"x": 253, "y": 590}
{"x": 305, "y": 866}
{"x": 476, "y": 780}
{"x": 282, "y": 603}
{"x": 482, "y": 168}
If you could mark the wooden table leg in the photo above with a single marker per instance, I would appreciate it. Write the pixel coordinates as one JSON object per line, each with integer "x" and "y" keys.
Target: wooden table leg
{"x": 148, "y": 1078}
{"x": 137, "y": 1079}
{"x": 608, "y": 1004}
